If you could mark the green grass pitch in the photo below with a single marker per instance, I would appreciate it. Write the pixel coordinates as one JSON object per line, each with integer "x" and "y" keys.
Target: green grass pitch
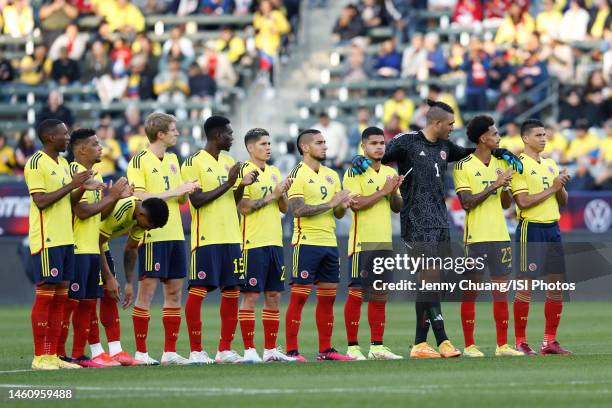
{"x": 584, "y": 379}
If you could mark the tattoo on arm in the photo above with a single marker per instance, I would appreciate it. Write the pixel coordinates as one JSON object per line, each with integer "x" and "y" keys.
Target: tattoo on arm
{"x": 301, "y": 209}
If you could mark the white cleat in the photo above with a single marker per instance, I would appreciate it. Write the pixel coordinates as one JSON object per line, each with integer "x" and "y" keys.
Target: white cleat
{"x": 228, "y": 357}
{"x": 382, "y": 353}
{"x": 144, "y": 357}
{"x": 172, "y": 358}
{"x": 271, "y": 355}
{"x": 251, "y": 356}
{"x": 200, "y": 357}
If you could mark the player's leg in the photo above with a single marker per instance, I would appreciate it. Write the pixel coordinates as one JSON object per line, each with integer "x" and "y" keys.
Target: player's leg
{"x": 528, "y": 259}
{"x": 377, "y": 304}
{"x": 40, "y": 319}
{"x": 141, "y": 318}
{"x": 255, "y": 262}
{"x": 352, "y": 308}
{"x": 468, "y": 302}
{"x": 303, "y": 267}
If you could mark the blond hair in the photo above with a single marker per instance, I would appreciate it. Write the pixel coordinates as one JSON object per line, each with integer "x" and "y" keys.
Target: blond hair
{"x": 157, "y": 122}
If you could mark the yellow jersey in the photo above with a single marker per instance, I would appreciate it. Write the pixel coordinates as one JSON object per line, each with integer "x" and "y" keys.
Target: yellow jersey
{"x": 262, "y": 227}
{"x": 86, "y": 231}
{"x": 52, "y": 226}
{"x": 486, "y": 221}
{"x": 583, "y": 147}
{"x": 150, "y": 174}
{"x": 7, "y": 160}
{"x": 315, "y": 188}
{"x": 557, "y": 143}
{"x": 217, "y": 221}
{"x": 122, "y": 221}
{"x": 606, "y": 149}
{"x": 404, "y": 110}
{"x": 536, "y": 178}
{"x": 111, "y": 152}
{"x": 513, "y": 143}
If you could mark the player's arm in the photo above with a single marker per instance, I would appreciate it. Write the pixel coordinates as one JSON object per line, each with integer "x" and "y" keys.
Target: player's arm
{"x": 130, "y": 256}
{"x": 562, "y": 196}
{"x": 469, "y": 200}
{"x": 524, "y": 200}
{"x": 397, "y": 202}
{"x": 246, "y": 180}
{"x": 119, "y": 190}
{"x": 111, "y": 284}
{"x": 365, "y": 202}
{"x": 506, "y": 199}
{"x": 300, "y": 209}
{"x": 248, "y": 206}
{"x": 136, "y": 177}
{"x": 43, "y": 200}
{"x": 456, "y": 152}
{"x": 396, "y": 149}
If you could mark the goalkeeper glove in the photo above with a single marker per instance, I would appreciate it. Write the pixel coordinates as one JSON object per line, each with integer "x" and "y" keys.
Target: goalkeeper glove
{"x": 509, "y": 158}
{"x": 360, "y": 164}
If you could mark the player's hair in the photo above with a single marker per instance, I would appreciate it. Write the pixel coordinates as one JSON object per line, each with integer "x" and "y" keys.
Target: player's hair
{"x": 253, "y": 135}
{"x": 157, "y": 211}
{"x": 478, "y": 126}
{"x": 371, "y": 131}
{"x": 437, "y": 111}
{"x": 302, "y": 134}
{"x": 213, "y": 124}
{"x": 81, "y": 135}
{"x": 157, "y": 122}
{"x": 530, "y": 124}
{"x": 45, "y": 127}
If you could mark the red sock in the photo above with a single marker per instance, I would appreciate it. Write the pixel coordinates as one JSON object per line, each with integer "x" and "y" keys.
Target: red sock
{"x": 468, "y": 316}
{"x": 94, "y": 328}
{"x": 81, "y": 321}
{"x": 352, "y": 315}
{"x": 140, "y": 318}
{"x": 56, "y": 316}
{"x": 376, "y": 319}
{"x": 293, "y": 318}
{"x": 270, "y": 319}
{"x": 229, "y": 318}
{"x": 521, "y": 314}
{"x": 71, "y": 305}
{"x": 552, "y": 312}
{"x": 324, "y": 316}
{"x": 40, "y": 318}
{"x": 247, "y": 327}
{"x": 193, "y": 316}
{"x": 171, "y": 319}
{"x": 109, "y": 317}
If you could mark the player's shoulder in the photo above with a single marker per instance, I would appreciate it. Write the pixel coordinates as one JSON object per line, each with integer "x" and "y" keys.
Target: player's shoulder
{"x": 405, "y": 136}
{"x": 388, "y": 170}
{"x": 63, "y": 162}
{"x": 297, "y": 170}
{"x": 139, "y": 159}
{"x": 123, "y": 206}
{"x": 191, "y": 160}
{"x": 328, "y": 172}
{"x": 34, "y": 162}
{"x": 75, "y": 168}
{"x": 464, "y": 163}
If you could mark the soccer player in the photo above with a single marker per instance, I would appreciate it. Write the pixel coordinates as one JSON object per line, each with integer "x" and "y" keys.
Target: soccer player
{"x": 51, "y": 238}
{"x": 216, "y": 260}
{"x": 481, "y": 182}
{"x": 155, "y": 172}
{"x": 376, "y": 196}
{"x": 86, "y": 286}
{"x": 315, "y": 196}
{"x": 262, "y": 247}
{"x": 538, "y": 193}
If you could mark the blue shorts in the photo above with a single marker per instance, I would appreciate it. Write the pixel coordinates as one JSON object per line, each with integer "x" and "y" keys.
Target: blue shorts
{"x": 162, "y": 260}
{"x": 265, "y": 269}
{"x": 53, "y": 265}
{"x": 360, "y": 266}
{"x": 539, "y": 248}
{"x": 87, "y": 282}
{"x": 217, "y": 266}
{"x": 314, "y": 263}
{"x": 496, "y": 256}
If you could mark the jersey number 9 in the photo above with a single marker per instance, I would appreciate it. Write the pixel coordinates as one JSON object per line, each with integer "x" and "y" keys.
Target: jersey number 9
{"x": 323, "y": 192}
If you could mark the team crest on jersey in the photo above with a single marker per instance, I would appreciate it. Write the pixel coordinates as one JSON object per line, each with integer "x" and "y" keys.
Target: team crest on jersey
{"x": 74, "y": 287}
{"x": 443, "y": 154}
{"x": 201, "y": 275}
{"x": 498, "y": 171}
{"x": 253, "y": 282}
{"x": 304, "y": 274}
{"x": 329, "y": 179}
{"x": 275, "y": 178}
{"x": 173, "y": 168}
{"x": 157, "y": 266}
{"x": 54, "y": 272}
{"x": 533, "y": 267}
{"x": 552, "y": 171}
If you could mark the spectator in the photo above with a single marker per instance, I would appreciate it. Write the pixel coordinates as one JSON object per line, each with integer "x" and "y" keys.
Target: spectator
{"x": 270, "y": 26}
{"x": 605, "y": 152}
{"x": 414, "y": 58}
{"x": 599, "y": 20}
{"x": 585, "y": 143}
{"x": 571, "y": 110}
{"x": 596, "y": 93}
{"x": 121, "y": 53}
{"x": 467, "y": 13}
{"x": 72, "y": 40}
{"x": 37, "y": 68}
{"x": 18, "y": 19}
{"x": 217, "y": 66}
{"x": 507, "y": 103}
{"x": 401, "y": 106}
{"x": 476, "y": 67}
{"x": 435, "y": 93}
{"x": 512, "y": 140}
{"x": 358, "y": 65}
{"x": 153, "y": 7}
{"x": 217, "y": 7}
{"x": 231, "y": 45}
{"x": 123, "y": 16}
{"x": 402, "y": 14}
{"x": 577, "y": 18}
{"x": 582, "y": 179}
{"x": 85, "y": 7}
{"x": 560, "y": 58}
{"x": 349, "y": 25}
{"x": 55, "y": 109}
{"x": 178, "y": 46}
{"x": 202, "y": 85}
{"x": 441, "y": 5}
{"x": 104, "y": 34}
{"x": 354, "y": 135}
{"x": 7, "y": 73}
{"x": 532, "y": 74}
{"x": 111, "y": 153}
{"x": 389, "y": 61}
{"x": 140, "y": 81}
{"x": 548, "y": 21}
{"x": 131, "y": 133}
{"x": 25, "y": 149}
{"x": 494, "y": 12}
{"x": 499, "y": 69}
{"x": 372, "y": 14}
{"x": 516, "y": 27}
{"x": 97, "y": 63}
{"x": 436, "y": 62}
{"x": 65, "y": 71}
{"x": 335, "y": 139}
{"x": 150, "y": 51}
{"x": 55, "y": 16}
{"x": 456, "y": 58}
{"x": 112, "y": 86}
{"x": 172, "y": 86}
{"x": 556, "y": 144}
{"x": 7, "y": 157}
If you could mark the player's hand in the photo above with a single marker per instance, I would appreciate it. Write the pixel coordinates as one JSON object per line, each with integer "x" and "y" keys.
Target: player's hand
{"x": 390, "y": 185}
{"x": 91, "y": 184}
{"x": 348, "y": 201}
{"x": 504, "y": 179}
{"x": 232, "y": 174}
{"x": 116, "y": 190}
{"x": 282, "y": 187}
{"x": 400, "y": 180}
{"x": 560, "y": 181}
{"x": 188, "y": 187}
{"x": 127, "y": 191}
{"x": 360, "y": 164}
{"x": 249, "y": 178}
{"x": 510, "y": 158}
{"x": 339, "y": 198}
{"x": 128, "y": 295}
{"x": 80, "y": 178}
{"x": 112, "y": 286}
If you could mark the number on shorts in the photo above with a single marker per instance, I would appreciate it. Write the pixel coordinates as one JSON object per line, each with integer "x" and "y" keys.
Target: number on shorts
{"x": 506, "y": 255}
{"x": 239, "y": 265}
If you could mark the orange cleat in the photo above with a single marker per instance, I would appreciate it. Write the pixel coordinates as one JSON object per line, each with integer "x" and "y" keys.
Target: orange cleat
{"x": 105, "y": 360}
{"x": 423, "y": 350}
{"x": 126, "y": 360}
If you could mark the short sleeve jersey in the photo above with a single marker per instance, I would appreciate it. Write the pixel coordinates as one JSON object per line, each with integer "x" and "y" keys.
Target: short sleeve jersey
{"x": 121, "y": 221}
{"x": 86, "y": 231}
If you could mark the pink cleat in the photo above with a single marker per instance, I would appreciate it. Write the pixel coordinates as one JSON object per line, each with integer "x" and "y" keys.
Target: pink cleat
{"x": 332, "y": 354}
{"x": 105, "y": 360}
{"x": 125, "y": 359}
{"x": 296, "y": 354}
{"x": 524, "y": 347}
{"x": 553, "y": 348}
{"x": 87, "y": 362}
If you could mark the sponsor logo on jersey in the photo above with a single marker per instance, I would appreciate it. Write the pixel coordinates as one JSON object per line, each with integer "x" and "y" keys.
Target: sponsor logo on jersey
{"x": 422, "y": 153}
{"x": 477, "y": 174}
{"x": 154, "y": 171}
{"x": 209, "y": 170}
{"x": 533, "y": 172}
{"x": 311, "y": 181}
{"x": 370, "y": 181}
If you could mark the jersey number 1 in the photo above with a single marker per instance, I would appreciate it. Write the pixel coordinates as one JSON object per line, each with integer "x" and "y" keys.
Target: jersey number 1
{"x": 437, "y": 169}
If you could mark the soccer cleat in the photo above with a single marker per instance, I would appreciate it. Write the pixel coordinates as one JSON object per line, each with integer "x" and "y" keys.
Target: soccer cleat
{"x": 200, "y": 357}
{"x": 297, "y": 356}
{"x": 275, "y": 354}
{"x": 172, "y": 358}
{"x": 54, "y": 359}
{"x": 87, "y": 362}
{"x": 228, "y": 357}
{"x": 106, "y": 360}
{"x": 553, "y": 347}
{"x": 42, "y": 363}
{"x": 507, "y": 351}
{"x": 472, "y": 351}
{"x": 144, "y": 357}
{"x": 123, "y": 358}
{"x": 524, "y": 347}
{"x": 333, "y": 355}
{"x": 447, "y": 350}
{"x": 250, "y": 355}
{"x": 423, "y": 350}
{"x": 355, "y": 353}
{"x": 381, "y": 352}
